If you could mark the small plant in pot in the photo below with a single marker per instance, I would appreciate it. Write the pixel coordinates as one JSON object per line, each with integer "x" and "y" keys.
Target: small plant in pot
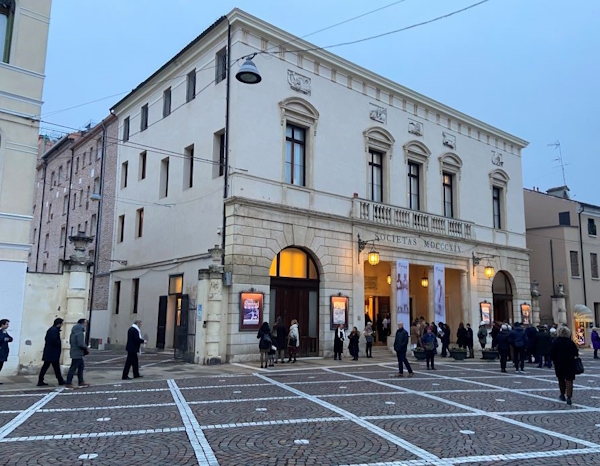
{"x": 419, "y": 354}
{"x": 459, "y": 354}
{"x": 489, "y": 354}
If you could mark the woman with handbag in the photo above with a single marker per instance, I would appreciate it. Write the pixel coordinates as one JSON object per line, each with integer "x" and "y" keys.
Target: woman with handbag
{"x": 564, "y": 354}
{"x": 293, "y": 340}
{"x": 353, "y": 343}
{"x": 265, "y": 342}
{"x": 430, "y": 344}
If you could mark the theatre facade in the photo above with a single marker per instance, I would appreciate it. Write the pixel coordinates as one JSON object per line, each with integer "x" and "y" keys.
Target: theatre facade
{"x": 346, "y": 195}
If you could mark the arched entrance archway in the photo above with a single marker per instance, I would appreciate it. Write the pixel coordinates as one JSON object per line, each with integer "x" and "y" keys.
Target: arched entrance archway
{"x": 503, "y": 297}
{"x": 295, "y": 295}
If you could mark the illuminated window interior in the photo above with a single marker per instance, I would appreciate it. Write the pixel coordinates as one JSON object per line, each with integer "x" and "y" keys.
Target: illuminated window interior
{"x": 293, "y": 263}
{"x": 176, "y": 284}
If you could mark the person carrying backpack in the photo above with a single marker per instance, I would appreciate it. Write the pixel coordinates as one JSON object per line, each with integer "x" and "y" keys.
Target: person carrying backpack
{"x": 265, "y": 343}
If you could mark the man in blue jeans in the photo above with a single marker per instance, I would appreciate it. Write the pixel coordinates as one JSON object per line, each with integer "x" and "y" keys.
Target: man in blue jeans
{"x": 78, "y": 350}
{"x": 400, "y": 347}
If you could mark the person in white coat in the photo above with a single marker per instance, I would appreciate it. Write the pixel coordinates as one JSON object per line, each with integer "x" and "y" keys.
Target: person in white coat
{"x": 293, "y": 341}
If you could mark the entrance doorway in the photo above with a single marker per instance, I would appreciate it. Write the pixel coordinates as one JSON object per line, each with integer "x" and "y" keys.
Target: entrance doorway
{"x": 295, "y": 295}
{"x": 503, "y": 298}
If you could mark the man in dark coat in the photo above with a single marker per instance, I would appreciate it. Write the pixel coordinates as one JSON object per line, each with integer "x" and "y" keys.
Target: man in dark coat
{"x": 495, "y": 332}
{"x": 51, "y": 354}
{"x": 445, "y": 337}
{"x": 281, "y": 339}
{"x": 77, "y": 351}
{"x": 531, "y": 351}
{"x": 400, "y": 347}
{"x": 5, "y": 339}
{"x": 518, "y": 340}
{"x": 563, "y": 353}
{"x": 503, "y": 345}
{"x": 134, "y": 341}
{"x": 470, "y": 341}
{"x": 543, "y": 341}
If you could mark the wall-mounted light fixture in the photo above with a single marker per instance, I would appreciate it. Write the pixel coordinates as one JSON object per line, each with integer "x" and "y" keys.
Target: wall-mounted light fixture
{"x": 373, "y": 256}
{"x": 488, "y": 271}
{"x": 425, "y": 280}
{"x": 389, "y": 279}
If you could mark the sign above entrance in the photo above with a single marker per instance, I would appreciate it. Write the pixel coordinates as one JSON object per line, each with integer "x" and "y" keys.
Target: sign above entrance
{"x": 418, "y": 242}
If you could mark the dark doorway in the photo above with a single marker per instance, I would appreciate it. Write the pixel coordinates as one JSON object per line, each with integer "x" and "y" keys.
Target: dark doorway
{"x": 162, "y": 322}
{"x": 295, "y": 295}
{"x": 503, "y": 298}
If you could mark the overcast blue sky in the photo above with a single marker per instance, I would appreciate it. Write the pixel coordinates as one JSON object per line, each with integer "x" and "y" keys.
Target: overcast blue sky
{"x": 529, "y": 67}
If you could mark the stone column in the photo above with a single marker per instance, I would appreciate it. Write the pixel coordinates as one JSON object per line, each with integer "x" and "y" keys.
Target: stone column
{"x": 465, "y": 297}
{"x": 210, "y": 296}
{"x": 535, "y": 304}
{"x": 77, "y": 293}
{"x": 559, "y": 306}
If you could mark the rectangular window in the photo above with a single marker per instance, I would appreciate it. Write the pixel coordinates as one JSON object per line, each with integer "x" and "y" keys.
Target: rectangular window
{"x": 219, "y": 154}
{"x": 121, "y": 228}
{"x": 175, "y": 284}
{"x": 144, "y": 118}
{"x": 564, "y": 218}
{"x": 126, "y": 129}
{"x": 78, "y": 228}
{"x": 124, "y": 169}
{"x": 448, "y": 195}
{"x": 142, "y": 166}
{"x": 94, "y": 225}
{"x": 574, "y": 255}
{"x": 63, "y": 236}
{"x": 46, "y": 241}
{"x": 221, "y": 65}
{"x": 139, "y": 223}
{"x": 81, "y": 199}
{"x": 117, "y": 296}
{"x": 85, "y": 228}
{"x": 97, "y": 185}
{"x": 497, "y": 207}
{"x": 52, "y": 180}
{"x": 71, "y": 232}
{"x": 65, "y": 205}
{"x": 6, "y": 28}
{"x": 83, "y": 159}
{"x": 188, "y": 167}
{"x": 87, "y": 199}
{"x": 68, "y": 171}
{"x": 77, "y": 165}
{"x": 60, "y": 174}
{"x": 414, "y": 185}
{"x": 99, "y": 149}
{"x": 375, "y": 176}
{"x": 594, "y": 264}
{"x": 164, "y": 178}
{"x": 295, "y": 138}
{"x": 191, "y": 86}
{"x": 135, "y": 284}
{"x": 50, "y": 214}
{"x": 74, "y": 200}
{"x": 166, "y": 102}
{"x": 591, "y": 227}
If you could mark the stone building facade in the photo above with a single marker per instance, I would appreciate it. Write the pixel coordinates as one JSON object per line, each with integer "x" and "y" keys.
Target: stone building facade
{"x": 319, "y": 158}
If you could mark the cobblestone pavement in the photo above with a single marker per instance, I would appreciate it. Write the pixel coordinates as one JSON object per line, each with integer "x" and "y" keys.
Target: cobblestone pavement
{"x": 316, "y": 412}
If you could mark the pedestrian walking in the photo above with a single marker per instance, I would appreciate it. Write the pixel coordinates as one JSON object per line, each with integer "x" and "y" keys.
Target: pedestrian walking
{"x": 482, "y": 336}
{"x": 51, "y": 354}
{"x": 134, "y": 342}
{"x": 5, "y": 339}
{"x": 462, "y": 336}
{"x": 264, "y": 343}
{"x": 293, "y": 341}
{"x": 494, "y": 333}
{"x": 280, "y": 338}
{"x": 400, "y": 347}
{"x": 531, "y": 351}
{"x": 563, "y": 353}
{"x": 595, "y": 342}
{"x": 379, "y": 327}
{"x": 338, "y": 342}
{"x": 543, "y": 342}
{"x": 414, "y": 334}
{"x": 78, "y": 350}
{"x": 353, "y": 343}
{"x": 518, "y": 341}
{"x": 470, "y": 341}
{"x": 386, "y": 328}
{"x": 430, "y": 344}
{"x": 445, "y": 338}
{"x": 503, "y": 345}
{"x": 369, "y": 339}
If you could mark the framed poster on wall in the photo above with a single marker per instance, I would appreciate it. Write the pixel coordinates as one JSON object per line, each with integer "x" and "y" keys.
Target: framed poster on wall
{"x": 251, "y": 310}
{"x": 485, "y": 309}
{"x": 339, "y": 311}
{"x": 525, "y": 314}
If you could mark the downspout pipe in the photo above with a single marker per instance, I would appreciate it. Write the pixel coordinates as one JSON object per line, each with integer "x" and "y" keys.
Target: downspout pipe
{"x": 68, "y": 207}
{"x": 580, "y": 210}
{"x": 97, "y": 234}
{"x": 226, "y": 144}
{"x": 39, "y": 238}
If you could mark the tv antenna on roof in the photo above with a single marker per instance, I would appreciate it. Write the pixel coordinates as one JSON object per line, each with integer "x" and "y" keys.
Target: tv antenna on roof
{"x": 556, "y": 145}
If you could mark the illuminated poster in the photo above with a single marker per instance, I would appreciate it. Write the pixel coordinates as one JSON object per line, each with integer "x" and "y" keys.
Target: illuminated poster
{"x": 402, "y": 294}
{"x": 486, "y": 312}
{"x": 581, "y": 336}
{"x": 251, "y": 309}
{"x": 525, "y": 314}
{"x": 439, "y": 282}
{"x": 339, "y": 311}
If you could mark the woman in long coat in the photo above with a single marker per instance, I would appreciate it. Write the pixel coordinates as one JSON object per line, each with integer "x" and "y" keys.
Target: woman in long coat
{"x": 281, "y": 339}
{"x": 353, "y": 343}
{"x": 293, "y": 341}
{"x": 595, "y": 342}
{"x": 462, "y": 336}
{"x": 265, "y": 342}
{"x": 338, "y": 342}
{"x": 563, "y": 353}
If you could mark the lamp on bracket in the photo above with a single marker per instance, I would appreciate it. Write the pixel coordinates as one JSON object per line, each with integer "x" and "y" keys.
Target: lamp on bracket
{"x": 373, "y": 256}
{"x": 488, "y": 271}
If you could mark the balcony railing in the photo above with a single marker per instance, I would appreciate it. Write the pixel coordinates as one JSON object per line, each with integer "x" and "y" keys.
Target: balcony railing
{"x": 411, "y": 219}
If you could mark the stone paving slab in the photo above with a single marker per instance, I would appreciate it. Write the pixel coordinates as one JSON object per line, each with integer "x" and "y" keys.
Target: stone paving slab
{"x": 432, "y": 384}
{"x": 329, "y": 443}
{"x": 305, "y": 376}
{"x": 20, "y": 402}
{"x": 152, "y": 449}
{"x": 75, "y": 422}
{"x": 235, "y": 393}
{"x": 342, "y": 387}
{"x": 590, "y": 398}
{"x": 495, "y": 401}
{"x": 585, "y": 426}
{"x": 489, "y": 437}
{"x": 77, "y": 399}
{"x": 216, "y": 381}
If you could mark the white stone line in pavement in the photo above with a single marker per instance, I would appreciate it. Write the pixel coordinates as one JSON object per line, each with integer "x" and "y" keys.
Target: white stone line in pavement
{"x": 485, "y": 413}
{"x": 95, "y": 408}
{"x": 15, "y": 411}
{"x": 340, "y": 395}
{"x": 157, "y": 363}
{"x": 225, "y": 386}
{"x": 411, "y": 448}
{"x": 93, "y": 435}
{"x": 105, "y": 392}
{"x": 26, "y": 414}
{"x": 202, "y": 449}
{"x": 243, "y": 400}
{"x": 106, "y": 361}
{"x": 23, "y": 394}
{"x": 317, "y": 382}
{"x": 279, "y": 422}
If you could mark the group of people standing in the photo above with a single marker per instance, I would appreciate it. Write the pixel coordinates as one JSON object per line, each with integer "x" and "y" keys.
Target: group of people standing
{"x": 273, "y": 343}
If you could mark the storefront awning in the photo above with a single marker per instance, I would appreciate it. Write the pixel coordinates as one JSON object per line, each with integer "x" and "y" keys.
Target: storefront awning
{"x": 582, "y": 313}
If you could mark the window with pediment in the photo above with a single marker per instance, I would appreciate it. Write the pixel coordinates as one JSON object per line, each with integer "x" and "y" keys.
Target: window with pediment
{"x": 416, "y": 157}
{"x": 450, "y": 167}
{"x": 379, "y": 144}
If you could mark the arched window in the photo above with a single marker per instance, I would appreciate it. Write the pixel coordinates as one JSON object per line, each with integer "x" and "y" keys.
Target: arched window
{"x": 293, "y": 263}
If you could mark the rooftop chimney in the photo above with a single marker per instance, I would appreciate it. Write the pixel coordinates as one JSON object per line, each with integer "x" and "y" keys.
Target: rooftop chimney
{"x": 559, "y": 191}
